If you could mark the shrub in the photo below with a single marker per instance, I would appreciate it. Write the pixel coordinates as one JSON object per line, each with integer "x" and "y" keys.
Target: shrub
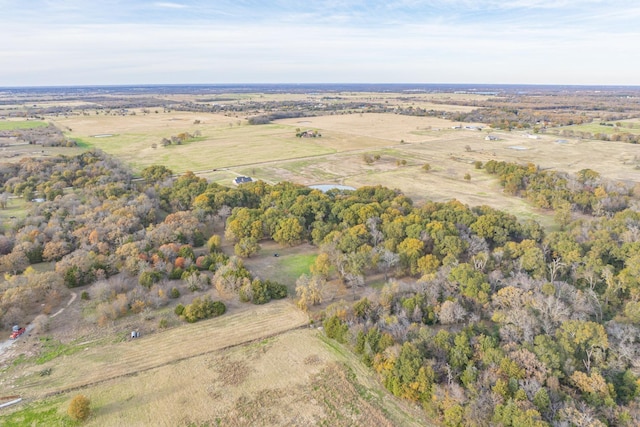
{"x": 138, "y": 306}
{"x": 176, "y": 273}
{"x": 246, "y": 291}
{"x": 175, "y": 293}
{"x": 84, "y": 295}
{"x": 203, "y": 308}
{"x": 336, "y": 329}
{"x": 79, "y": 408}
{"x": 214, "y": 243}
{"x": 198, "y": 239}
{"x": 164, "y": 323}
{"x": 276, "y": 290}
{"x": 186, "y": 251}
{"x": 260, "y": 294}
{"x": 148, "y": 278}
{"x": 41, "y": 324}
{"x": 179, "y": 309}
{"x": 217, "y": 259}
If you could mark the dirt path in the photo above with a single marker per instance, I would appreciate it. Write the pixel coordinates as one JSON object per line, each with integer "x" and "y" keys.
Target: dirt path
{"x": 73, "y": 298}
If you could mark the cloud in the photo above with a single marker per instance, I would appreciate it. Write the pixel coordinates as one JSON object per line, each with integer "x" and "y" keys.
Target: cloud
{"x": 167, "y": 5}
{"x": 447, "y": 41}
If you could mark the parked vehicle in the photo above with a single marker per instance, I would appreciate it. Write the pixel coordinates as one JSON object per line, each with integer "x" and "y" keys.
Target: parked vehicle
{"x": 17, "y": 331}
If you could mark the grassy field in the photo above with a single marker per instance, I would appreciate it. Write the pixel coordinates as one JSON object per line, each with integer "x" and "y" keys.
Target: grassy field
{"x": 16, "y": 207}
{"x": 16, "y": 210}
{"x": 627, "y": 127}
{"x": 223, "y": 143}
{"x": 389, "y": 127}
{"x": 290, "y": 263}
{"x": 21, "y": 124}
{"x": 273, "y": 153}
{"x": 251, "y": 366}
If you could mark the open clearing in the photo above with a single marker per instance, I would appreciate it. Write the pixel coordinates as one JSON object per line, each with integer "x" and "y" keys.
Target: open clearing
{"x": 287, "y": 267}
{"x": 252, "y": 366}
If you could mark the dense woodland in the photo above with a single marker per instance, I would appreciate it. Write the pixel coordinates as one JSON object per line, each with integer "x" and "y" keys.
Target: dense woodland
{"x": 483, "y": 319}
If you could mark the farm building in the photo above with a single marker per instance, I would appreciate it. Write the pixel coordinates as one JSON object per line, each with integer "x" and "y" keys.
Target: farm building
{"x": 242, "y": 180}
{"x": 491, "y": 138}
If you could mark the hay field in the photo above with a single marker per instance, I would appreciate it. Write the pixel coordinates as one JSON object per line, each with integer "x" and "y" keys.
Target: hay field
{"x": 390, "y": 127}
{"x": 254, "y": 366}
{"x": 225, "y": 142}
{"x": 293, "y": 379}
{"x": 98, "y": 364}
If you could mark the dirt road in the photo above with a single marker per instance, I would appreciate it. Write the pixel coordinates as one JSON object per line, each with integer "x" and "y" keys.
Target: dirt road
{"x": 4, "y": 345}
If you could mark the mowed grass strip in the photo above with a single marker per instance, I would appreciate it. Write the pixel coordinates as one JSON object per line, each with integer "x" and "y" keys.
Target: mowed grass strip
{"x": 24, "y": 124}
{"x": 95, "y": 365}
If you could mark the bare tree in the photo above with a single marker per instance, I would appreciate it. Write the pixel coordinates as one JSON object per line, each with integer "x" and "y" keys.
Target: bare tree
{"x": 4, "y": 200}
{"x": 555, "y": 267}
{"x": 388, "y": 260}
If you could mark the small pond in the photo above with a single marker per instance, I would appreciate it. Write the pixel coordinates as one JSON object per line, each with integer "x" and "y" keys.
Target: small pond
{"x": 326, "y": 187}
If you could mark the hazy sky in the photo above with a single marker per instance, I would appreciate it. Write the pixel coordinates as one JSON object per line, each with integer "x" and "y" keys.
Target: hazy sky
{"x": 82, "y": 42}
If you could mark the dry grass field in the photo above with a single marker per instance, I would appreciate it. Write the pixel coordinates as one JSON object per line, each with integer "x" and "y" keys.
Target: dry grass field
{"x": 389, "y": 127}
{"x": 106, "y": 362}
{"x": 404, "y": 143}
{"x": 255, "y": 366}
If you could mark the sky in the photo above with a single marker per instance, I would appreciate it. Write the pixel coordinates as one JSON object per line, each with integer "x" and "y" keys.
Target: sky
{"x": 119, "y": 42}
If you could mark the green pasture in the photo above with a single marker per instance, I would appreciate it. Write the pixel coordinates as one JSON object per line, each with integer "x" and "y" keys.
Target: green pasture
{"x": 47, "y": 412}
{"x": 286, "y": 268}
{"x": 26, "y": 124}
{"x": 217, "y": 147}
{"x": 294, "y": 266}
{"x": 17, "y": 208}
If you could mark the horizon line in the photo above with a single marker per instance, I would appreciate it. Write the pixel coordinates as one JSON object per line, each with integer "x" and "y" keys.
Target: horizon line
{"x": 147, "y": 85}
